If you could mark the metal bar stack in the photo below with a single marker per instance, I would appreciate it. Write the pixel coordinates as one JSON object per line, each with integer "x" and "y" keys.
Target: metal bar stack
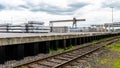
{"x": 30, "y": 27}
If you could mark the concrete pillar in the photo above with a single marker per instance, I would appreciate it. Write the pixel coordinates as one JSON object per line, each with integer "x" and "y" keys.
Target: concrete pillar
{"x": 11, "y": 52}
{"x": 41, "y": 47}
{"x": 78, "y": 41}
{"x": 60, "y": 43}
{"x": 73, "y": 41}
{"x": 20, "y": 52}
{"x": 47, "y": 47}
{"x": 44, "y": 47}
{"x": 2, "y": 55}
{"x": 89, "y": 39}
{"x": 95, "y": 37}
{"x": 68, "y": 42}
{"x": 92, "y": 38}
{"x": 82, "y": 40}
{"x": 56, "y": 43}
{"x": 53, "y": 45}
{"x": 31, "y": 49}
{"x": 100, "y": 37}
{"x": 64, "y": 43}
{"x": 36, "y": 48}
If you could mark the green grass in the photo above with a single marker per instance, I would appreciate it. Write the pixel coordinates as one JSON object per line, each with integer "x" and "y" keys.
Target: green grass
{"x": 71, "y": 46}
{"x": 58, "y": 50}
{"x": 104, "y": 61}
{"x": 116, "y": 47}
{"x": 108, "y": 59}
{"x": 116, "y": 63}
{"x": 62, "y": 49}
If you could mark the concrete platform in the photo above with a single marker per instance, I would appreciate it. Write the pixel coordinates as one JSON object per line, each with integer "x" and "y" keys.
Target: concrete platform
{"x": 21, "y": 38}
{"x": 16, "y": 46}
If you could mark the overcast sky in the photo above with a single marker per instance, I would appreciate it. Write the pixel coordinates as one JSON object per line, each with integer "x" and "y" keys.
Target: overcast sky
{"x": 94, "y": 11}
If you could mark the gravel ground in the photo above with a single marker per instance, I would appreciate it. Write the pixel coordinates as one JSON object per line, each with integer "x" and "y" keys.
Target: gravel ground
{"x": 89, "y": 61}
{"x": 11, "y": 63}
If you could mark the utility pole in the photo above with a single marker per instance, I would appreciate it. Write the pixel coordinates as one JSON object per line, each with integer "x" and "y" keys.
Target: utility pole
{"x": 112, "y": 19}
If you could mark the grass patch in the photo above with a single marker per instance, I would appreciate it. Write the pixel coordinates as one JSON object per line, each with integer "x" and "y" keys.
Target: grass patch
{"x": 116, "y": 63}
{"x": 103, "y": 39}
{"x": 105, "y": 60}
{"x": 115, "y": 47}
{"x": 71, "y": 46}
{"x": 60, "y": 50}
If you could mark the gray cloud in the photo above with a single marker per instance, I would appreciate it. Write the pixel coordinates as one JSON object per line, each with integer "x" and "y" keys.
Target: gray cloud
{"x": 60, "y": 11}
{"x": 77, "y": 5}
{"x": 2, "y": 7}
{"x": 43, "y": 7}
{"x": 24, "y": 6}
{"x": 116, "y": 5}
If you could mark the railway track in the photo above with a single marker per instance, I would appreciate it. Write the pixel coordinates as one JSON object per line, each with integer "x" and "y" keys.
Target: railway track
{"x": 61, "y": 59}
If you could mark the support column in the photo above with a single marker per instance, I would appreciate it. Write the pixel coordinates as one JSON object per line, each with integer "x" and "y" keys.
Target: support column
{"x": 90, "y": 38}
{"x": 95, "y": 37}
{"x": 78, "y": 41}
{"x": 47, "y": 47}
{"x": 56, "y": 43}
{"x": 82, "y": 40}
{"x": 11, "y": 52}
{"x": 53, "y": 45}
{"x": 68, "y": 42}
{"x": 2, "y": 55}
{"x": 75, "y": 41}
{"x": 31, "y": 49}
{"x": 64, "y": 43}
{"x": 60, "y": 43}
{"x": 20, "y": 52}
{"x": 36, "y": 48}
{"x": 87, "y": 39}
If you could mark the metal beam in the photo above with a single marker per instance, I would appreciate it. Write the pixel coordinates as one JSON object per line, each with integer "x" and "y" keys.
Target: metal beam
{"x": 67, "y": 20}
{"x": 74, "y": 20}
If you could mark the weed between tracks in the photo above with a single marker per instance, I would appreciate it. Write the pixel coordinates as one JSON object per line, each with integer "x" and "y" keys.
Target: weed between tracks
{"x": 113, "y": 58}
{"x": 60, "y": 50}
